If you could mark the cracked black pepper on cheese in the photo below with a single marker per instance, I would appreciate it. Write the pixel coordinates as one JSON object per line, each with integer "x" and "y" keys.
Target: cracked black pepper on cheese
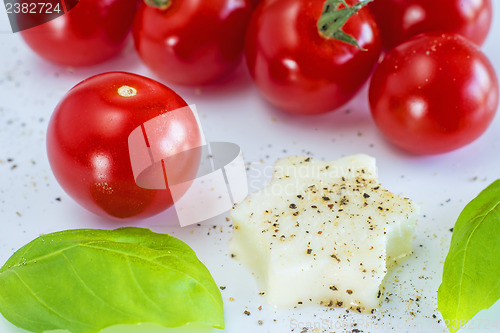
{"x": 323, "y": 232}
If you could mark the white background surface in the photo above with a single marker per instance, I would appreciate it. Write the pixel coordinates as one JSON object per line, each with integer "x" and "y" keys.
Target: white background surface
{"x": 233, "y": 111}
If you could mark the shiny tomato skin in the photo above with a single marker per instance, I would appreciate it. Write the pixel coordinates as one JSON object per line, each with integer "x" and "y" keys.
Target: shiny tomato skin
{"x": 255, "y": 3}
{"x": 297, "y": 69}
{"x": 399, "y": 20}
{"x": 87, "y": 143}
{"x": 434, "y": 93}
{"x": 90, "y": 33}
{"x": 192, "y": 42}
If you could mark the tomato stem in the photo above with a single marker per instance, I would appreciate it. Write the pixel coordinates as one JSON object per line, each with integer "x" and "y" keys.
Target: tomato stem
{"x": 160, "y": 4}
{"x": 333, "y": 19}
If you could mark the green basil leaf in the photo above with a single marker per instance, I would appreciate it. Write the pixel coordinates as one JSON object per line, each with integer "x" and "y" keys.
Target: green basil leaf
{"x": 471, "y": 273}
{"x": 86, "y": 280}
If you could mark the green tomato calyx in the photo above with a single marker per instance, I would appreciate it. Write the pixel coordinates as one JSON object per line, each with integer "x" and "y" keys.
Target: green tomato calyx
{"x": 333, "y": 18}
{"x": 160, "y": 4}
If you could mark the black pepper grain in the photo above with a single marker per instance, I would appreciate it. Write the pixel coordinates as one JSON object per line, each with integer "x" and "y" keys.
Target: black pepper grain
{"x": 335, "y": 257}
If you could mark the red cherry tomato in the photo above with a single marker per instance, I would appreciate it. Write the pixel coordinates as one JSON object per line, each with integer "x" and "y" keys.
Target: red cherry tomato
{"x": 192, "y": 42}
{"x": 399, "y": 20}
{"x": 91, "y": 32}
{"x": 434, "y": 93}
{"x": 299, "y": 70}
{"x": 87, "y": 143}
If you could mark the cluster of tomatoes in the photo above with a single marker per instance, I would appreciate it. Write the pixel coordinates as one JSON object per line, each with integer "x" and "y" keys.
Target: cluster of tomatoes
{"x": 431, "y": 89}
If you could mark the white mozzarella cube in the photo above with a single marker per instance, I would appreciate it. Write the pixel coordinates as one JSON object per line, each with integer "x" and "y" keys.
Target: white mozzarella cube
{"x": 323, "y": 232}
